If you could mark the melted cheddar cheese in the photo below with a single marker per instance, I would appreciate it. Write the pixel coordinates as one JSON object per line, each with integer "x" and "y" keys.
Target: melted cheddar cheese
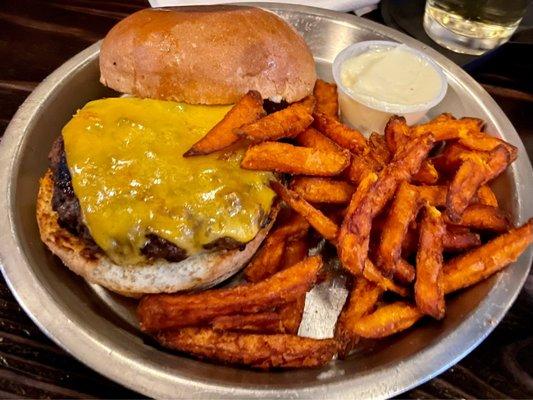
{"x": 128, "y": 172}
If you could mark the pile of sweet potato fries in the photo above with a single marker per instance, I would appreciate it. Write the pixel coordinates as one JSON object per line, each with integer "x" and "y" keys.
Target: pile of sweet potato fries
{"x": 408, "y": 212}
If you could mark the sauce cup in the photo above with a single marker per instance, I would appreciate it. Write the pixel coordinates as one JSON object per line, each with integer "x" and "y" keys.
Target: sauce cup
{"x": 370, "y": 113}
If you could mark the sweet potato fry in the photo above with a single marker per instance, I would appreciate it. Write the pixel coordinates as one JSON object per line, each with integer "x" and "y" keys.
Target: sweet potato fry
{"x": 428, "y": 285}
{"x": 326, "y": 227}
{"x": 474, "y": 172}
{"x": 323, "y": 190}
{"x": 295, "y": 251}
{"x": 486, "y": 196}
{"x": 327, "y": 101}
{"x": 288, "y": 122}
{"x": 291, "y": 315}
{"x": 286, "y": 158}
{"x": 342, "y": 135}
{"x": 347, "y": 238}
{"x": 404, "y": 272}
{"x": 373, "y": 274}
{"x": 403, "y": 211}
{"x": 433, "y": 195}
{"x": 360, "y": 166}
{"x": 378, "y": 148}
{"x": 253, "y": 350}
{"x": 482, "y": 142}
{"x": 387, "y": 320}
{"x": 264, "y": 322}
{"x": 359, "y": 222}
{"x": 361, "y": 301}
{"x": 482, "y": 217}
{"x": 445, "y": 127}
{"x": 313, "y": 138}
{"x": 268, "y": 260}
{"x": 477, "y": 265}
{"x": 450, "y": 159}
{"x": 166, "y": 311}
{"x": 458, "y": 238}
{"x": 247, "y": 110}
{"x": 396, "y": 133}
{"x": 427, "y": 174}
{"x": 308, "y": 103}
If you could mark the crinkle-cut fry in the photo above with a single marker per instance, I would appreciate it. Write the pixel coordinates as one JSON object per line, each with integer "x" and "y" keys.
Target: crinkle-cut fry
{"x": 429, "y": 296}
{"x": 484, "y": 218}
{"x": 433, "y": 195}
{"x": 323, "y": 225}
{"x": 373, "y": 274}
{"x": 264, "y": 322}
{"x": 482, "y": 262}
{"x": 291, "y": 315}
{"x": 483, "y": 142}
{"x": 288, "y": 122}
{"x": 342, "y": 135}
{"x": 396, "y": 133}
{"x": 313, "y": 138}
{"x": 474, "y": 172}
{"x": 347, "y": 238}
{"x": 269, "y": 259}
{"x": 295, "y": 251}
{"x": 402, "y": 212}
{"x": 286, "y": 158}
{"x": 327, "y": 100}
{"x": 387, "y": 320}
{"x": 486, "y": 196}
{"x": 323, "y": 190}
{"x": 167, "y": 311}
{"x": 447, "y": 127}
{"x": 361, "y": 300}
{"x": 427, "y": 174}
{"x": 404, "y": 272}
{"x": 359, "y": 222}
{"x": 247, "y": 110}
{"x": 253, "y": 350}
{"x": 378, "y": 148}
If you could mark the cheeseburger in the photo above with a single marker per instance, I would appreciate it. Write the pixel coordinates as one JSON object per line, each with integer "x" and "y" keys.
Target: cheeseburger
{"x": 120, "y": 205}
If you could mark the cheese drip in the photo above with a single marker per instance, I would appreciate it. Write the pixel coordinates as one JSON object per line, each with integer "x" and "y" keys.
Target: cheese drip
{"x": 128, "y": 172}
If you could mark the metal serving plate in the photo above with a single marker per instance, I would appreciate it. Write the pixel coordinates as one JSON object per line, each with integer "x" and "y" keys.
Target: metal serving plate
{"x": 100, "y": 329}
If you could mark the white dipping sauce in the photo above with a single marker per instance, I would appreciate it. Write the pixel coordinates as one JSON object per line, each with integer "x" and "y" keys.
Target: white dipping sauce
{"x": 391, "y": 75}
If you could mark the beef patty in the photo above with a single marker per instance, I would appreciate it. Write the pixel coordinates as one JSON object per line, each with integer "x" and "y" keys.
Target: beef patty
{"x": 67, "y": 206}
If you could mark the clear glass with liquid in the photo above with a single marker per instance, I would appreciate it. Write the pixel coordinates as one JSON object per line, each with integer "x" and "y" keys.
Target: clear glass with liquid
{"x": 472, "y": 26}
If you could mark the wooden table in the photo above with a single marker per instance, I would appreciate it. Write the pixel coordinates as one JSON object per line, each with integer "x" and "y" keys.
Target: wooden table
{"x": 35, "y": 38}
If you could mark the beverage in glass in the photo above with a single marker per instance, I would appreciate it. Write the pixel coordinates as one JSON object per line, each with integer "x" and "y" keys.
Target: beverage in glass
{"x": 472, "y": 26}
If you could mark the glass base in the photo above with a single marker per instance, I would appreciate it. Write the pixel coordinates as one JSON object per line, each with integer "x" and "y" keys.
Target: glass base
{"x": 461, "y": 43}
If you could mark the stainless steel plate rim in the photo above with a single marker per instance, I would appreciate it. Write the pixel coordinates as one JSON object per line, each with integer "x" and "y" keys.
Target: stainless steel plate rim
{"x": 138, "y": 373}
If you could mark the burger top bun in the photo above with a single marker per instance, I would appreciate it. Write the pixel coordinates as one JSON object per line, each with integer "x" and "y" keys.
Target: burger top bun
{"x": 207, "y": 55}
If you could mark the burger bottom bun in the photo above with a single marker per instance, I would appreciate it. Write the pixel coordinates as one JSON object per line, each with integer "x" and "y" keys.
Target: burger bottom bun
{"x": 195, "y": 272}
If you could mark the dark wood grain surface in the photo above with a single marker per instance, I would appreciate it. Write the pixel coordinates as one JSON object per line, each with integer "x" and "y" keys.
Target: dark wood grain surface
{"x": 39, "y": 35}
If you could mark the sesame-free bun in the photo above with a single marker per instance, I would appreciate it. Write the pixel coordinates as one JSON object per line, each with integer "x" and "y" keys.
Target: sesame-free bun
{"x": 195, "y": 272}
{"x": 206, "y": 55}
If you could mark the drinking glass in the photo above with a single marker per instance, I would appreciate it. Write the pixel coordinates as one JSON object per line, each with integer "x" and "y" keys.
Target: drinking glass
{"x": 472, "y": 26}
